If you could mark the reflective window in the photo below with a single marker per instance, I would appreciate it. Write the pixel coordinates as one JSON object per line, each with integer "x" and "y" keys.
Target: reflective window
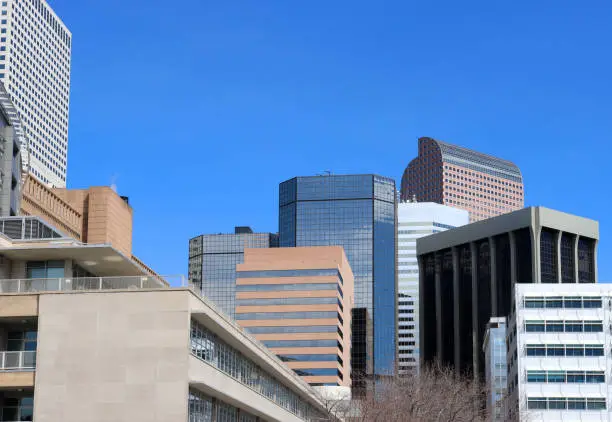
{"x": 548, "y": 256}
{"x": 308, "y": 358}
{"x": 299, "y": 343}
{"x": 209, "y": 347}
{"x": 288, "y": 273}
{"x": 285, "y": 287}
{"x": 200, "y": 407}
{"x": 563, "y": 326}
{"x": 288, "y": 301}
{"x": 317, "y": 372}
{"x": 595, "y": 377}
{"x": 293, "y": 329}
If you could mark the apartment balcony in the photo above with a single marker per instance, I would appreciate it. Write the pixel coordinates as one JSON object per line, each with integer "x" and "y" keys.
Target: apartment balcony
{"x": 18, "y": 361}
{"x": 34, "y": 285}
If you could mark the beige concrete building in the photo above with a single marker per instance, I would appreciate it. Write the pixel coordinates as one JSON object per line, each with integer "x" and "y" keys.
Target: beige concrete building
{"x": 87, "y": 335}
{"x": 297, "y": 302}
{"x": 94, "y": 215}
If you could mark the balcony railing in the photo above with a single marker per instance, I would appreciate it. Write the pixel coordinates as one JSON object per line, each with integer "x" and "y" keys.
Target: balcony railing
{"x": 17, "y": 361}
{"x": 33, "y": 285}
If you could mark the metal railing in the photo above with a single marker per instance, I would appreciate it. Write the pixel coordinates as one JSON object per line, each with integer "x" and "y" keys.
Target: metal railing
{"x": 18, "y": 361}
{"x": 33, "y": 285}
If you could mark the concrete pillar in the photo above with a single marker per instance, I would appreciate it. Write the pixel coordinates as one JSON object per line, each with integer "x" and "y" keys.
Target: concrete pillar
{"x": 438, "y": 282}
{"x": 576, "y": 257}
{"x": 475, "y": 345}
{"x": 456, "y": 317}
{"x": 558, "y": 248}
{"x": 512, "y": 259}
{"x": 493, "y": 261}
{"x": 595, "y": 276}
{"x": 536, "y": 271}
{"x": 421, "y": 307}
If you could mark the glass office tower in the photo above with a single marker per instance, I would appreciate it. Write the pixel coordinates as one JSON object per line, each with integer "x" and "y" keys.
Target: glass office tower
{"x": 357, "y": 212}
{"x": 213, "y": 259}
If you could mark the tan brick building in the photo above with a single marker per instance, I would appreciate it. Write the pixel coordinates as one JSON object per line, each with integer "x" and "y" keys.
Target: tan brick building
{"x": 94, "y": 215}
{"x": 297, "y": 302}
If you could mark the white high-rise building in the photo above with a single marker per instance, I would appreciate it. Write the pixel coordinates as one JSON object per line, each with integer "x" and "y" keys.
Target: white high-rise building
{"x": 559, "y": 364}
{"x": 35, "y": 69}
{"x": 415, "y": 220}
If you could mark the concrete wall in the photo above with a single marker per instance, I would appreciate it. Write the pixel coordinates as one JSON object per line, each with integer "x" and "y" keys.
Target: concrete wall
{"x": 113, "y": 356}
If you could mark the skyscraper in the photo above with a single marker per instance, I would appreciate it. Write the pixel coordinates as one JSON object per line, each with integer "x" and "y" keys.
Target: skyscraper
{"x": 213, "y": 259}
{"x": 35, "y": 48}
{"x": 415, "y": 220}
{"x": 467, "y": 275}
{"x": 483, "y": 185}
{"x": 357, "y": 212}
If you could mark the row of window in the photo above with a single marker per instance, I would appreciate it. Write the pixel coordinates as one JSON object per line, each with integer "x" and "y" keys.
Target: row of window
{"x": 589, "y": 377}
{"x": 285, "y": 287}
{"x": 300, "y": 343}
{"x": 289, "y": 301}
{"x": 290, "y": 273}
{"x": 203, "y": 408}
{"x": 564, "y": 326}
{"x": 210, "y": 348}
{"x": 294, "y": 329}
{"x": 569, "y": 403}
{"x": 287, "y": 315}
{"x": 564, "y": 350}
{"x": 574, "y": 302}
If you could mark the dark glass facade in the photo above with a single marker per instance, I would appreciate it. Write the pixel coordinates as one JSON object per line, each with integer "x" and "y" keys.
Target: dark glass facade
{"x": 213, "y": 259}
{"x": 357, "y": 212}
{"x": 485, "y": 270}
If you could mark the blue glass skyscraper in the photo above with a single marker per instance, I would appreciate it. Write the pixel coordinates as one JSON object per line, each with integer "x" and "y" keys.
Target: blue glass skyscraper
{"x": 357, "y": 212}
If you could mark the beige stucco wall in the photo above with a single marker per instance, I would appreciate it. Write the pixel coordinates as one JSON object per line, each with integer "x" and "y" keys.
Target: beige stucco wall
{"x": 112, "y": 356}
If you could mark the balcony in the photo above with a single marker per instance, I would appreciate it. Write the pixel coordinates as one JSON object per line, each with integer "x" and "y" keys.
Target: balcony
{"x": 34, "y": 285}
{"x": 18, "y": 361}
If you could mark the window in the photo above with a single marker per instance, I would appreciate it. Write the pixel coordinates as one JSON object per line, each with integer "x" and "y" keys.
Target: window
{"x": 555, "y": 376}
{"x": 593, "y": 327}
{"x": 536, "y": 403}
{"x": 536, "y": 350}
{"x": 557, "y": 403}
{"x": 536, "y": 376}
{"x": 596, "y": 404}
{"x": 595, "y": 377}
{"x": 554, "y": 326}
{"x": 535, "y": 326}
{"x": 576, "y": 403}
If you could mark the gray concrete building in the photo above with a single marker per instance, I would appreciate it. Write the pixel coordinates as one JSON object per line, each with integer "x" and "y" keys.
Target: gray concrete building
{"x": 90, "y": 335}
{"x": 467, "y": 275}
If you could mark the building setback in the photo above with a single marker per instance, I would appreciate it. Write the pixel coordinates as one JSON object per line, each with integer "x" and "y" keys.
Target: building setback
{"x": 416, "y": 220}
{"x": 213, "y": 259}
{"x": 559, "y": 364}
{"x": 88, "y": 334}
{"x": 297, "y": 302}
{"x": 36, "y": 49}
{"x": 357, "y": 212}
{"x": 483, "y": 185}
{"x": 467, "y": 275}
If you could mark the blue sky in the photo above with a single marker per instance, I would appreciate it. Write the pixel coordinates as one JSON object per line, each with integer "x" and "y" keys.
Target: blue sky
{"x": 197, "y": 110}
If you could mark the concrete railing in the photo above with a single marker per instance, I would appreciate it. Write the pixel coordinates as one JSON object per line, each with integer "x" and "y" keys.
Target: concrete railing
{"x": 17, "y": 361}
{"x": 33, "y": 285}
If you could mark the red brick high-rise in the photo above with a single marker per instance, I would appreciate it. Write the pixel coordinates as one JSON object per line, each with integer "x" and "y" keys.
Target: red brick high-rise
{"x": 485, "y": 186}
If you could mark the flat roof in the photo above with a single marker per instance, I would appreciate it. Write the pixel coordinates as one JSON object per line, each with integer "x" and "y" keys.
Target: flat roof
{"x": 526, "y": 217}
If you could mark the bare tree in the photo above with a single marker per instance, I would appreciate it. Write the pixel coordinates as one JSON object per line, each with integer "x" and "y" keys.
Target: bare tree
{"x": 437, "y": 394}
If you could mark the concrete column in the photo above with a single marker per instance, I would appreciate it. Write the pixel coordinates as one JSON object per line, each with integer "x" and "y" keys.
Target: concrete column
{"x": 493, "y": 260}
{"x": 421, "y": 307}
{"x": 558, "y": 247}
{"x": 576, "y": 257}
{"x": 595, "y": 272}
{"x": 536, "y": 271}
{"x": 457, "y": 316}
{"x": 512, "y": 259}
{"x": 438, "y": 282}
{"x": 475, "y": 345}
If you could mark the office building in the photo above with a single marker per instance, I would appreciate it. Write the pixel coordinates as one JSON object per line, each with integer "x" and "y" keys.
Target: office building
{"x": 415, "y": 220}
{"x": 297, "y": 302}
{"x": 213, "y": 259}
{"x": 560, "y": 368}
{"x": 467, "y": 275}
{"x": 11, "y": 138}
{"x": 494, "y": 348}
{"x": 357, "y": 212}
{"x": 35, "y": 48}
{"x": 88, "y": 335}
{"x": 485, "y": 186}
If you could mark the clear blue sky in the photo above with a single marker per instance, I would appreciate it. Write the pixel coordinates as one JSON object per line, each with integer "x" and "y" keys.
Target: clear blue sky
{"x": 198, "y": 109}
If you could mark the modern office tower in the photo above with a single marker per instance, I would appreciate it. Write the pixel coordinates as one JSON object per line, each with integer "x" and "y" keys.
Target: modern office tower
{"x": 11, "y": 138}
{"x": 88, "y": 334}
{"x": 357, "y": 212}
{"x": 415, "y": 220}
{"x": 451, "y": 175}
{"x": 467, "y": 275}
{"x": 494, "y": 348}
{"x": 560, "y": 367}
{"x": 35, "y": 48}
{"x": 297, "y": 302}
{"x": 213, "y": 259}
